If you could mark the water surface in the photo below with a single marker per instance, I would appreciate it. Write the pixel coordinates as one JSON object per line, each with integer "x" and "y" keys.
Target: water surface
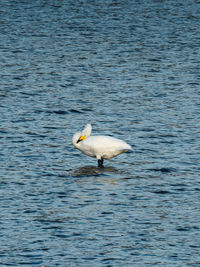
{"x": 132, "y": 70}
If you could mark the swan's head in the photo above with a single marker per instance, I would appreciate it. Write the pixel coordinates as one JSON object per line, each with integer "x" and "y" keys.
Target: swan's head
{"x": 80, "y": 136}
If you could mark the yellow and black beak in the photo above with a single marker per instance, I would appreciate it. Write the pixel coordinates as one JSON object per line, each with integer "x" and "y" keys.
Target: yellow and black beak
{"x": 81, "y": 138}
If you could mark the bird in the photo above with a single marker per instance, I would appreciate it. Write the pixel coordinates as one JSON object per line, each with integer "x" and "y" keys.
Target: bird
{"x": 99, "y": 146}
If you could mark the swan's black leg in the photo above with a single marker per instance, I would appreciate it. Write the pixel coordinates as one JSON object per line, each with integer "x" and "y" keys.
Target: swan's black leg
{"x": 100, "y": 163}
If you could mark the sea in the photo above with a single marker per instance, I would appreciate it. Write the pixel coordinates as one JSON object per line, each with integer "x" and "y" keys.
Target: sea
{"x": 131, "y": 69}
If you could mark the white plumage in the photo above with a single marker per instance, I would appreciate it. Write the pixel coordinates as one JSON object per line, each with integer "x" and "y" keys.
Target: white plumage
{"x": 102, "y": 147}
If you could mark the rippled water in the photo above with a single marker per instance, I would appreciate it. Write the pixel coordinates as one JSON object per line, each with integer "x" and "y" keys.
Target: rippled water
{"x": 131, "y": 68}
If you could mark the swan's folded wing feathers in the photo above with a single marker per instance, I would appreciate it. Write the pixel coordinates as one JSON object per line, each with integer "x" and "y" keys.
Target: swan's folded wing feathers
{"x": 105, "y": 146}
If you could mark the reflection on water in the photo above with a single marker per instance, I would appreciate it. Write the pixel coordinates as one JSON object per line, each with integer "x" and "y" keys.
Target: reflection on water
{"x": 93, "y": 171}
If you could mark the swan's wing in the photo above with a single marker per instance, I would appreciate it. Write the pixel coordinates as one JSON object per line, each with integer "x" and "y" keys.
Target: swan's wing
{"x": 104, "y": 146}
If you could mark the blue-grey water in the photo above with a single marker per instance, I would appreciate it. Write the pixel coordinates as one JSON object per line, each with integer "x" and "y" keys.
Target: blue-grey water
{"x": 132, "y": 69}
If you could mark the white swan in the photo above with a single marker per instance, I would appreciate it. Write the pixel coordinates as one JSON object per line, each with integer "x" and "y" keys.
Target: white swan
{"x": 102, "y": 147}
